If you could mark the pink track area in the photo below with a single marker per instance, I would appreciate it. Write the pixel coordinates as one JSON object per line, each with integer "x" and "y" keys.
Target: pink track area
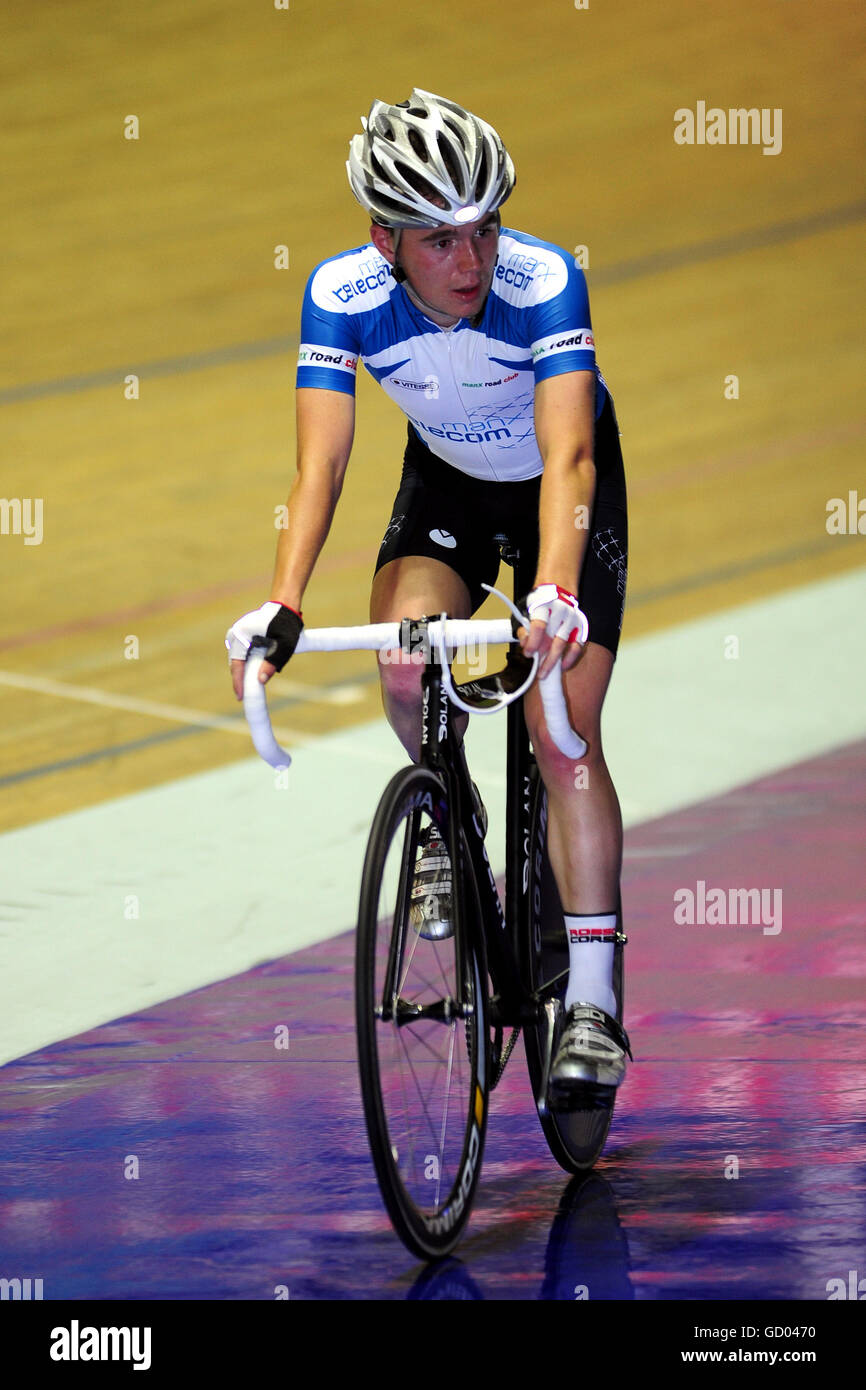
{"x": 734, "y": 1167}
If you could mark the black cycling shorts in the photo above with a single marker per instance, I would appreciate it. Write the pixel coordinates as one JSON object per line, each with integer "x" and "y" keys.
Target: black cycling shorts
{"x": 447, "y": 515}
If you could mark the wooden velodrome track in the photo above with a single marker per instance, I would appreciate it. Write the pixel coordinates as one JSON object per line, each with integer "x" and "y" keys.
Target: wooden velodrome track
{"x": 155, "y": 257}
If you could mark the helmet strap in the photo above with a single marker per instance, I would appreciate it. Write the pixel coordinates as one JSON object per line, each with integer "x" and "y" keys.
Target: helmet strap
{"x": 397, "y": 270}
{"x": 402, "y": 278}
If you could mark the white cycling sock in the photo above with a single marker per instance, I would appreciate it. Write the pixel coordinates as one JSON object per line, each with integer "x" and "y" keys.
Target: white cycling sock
{"x": 590, "y": 959}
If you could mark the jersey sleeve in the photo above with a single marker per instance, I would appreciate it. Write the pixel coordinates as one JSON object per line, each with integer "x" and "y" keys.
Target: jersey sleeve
{"x": 560, "y": 328}
{"x": 330, "y": 344}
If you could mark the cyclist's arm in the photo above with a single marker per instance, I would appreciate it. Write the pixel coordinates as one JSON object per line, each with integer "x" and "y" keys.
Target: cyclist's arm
{"x": 564, "y": 428}
{"x": 326, "y": 428}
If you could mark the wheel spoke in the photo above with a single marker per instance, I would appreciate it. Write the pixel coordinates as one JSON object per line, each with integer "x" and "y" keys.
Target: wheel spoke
{"x": 447, "y": 1095}
{"x": 421, "y": 1096}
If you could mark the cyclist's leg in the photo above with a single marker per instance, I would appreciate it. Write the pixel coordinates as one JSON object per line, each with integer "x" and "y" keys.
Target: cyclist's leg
{"x": 410, "y": 587}
{"x": 585, "y": 824}
{"x": 434, "y": 556}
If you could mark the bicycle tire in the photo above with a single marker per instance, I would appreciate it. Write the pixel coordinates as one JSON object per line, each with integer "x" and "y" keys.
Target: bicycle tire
{"x": 575, "y": 1137}
{"x": 424, "y": 1080}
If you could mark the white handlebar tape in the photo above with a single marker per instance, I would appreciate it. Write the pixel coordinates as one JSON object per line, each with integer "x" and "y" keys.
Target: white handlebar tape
{"x": 386, "y": 636}
{"x": 374, "y": 637}
{"x": 256, "y": 711}
{"x": 556, "y": 714}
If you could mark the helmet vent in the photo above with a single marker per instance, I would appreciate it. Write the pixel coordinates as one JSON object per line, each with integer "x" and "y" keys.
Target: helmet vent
{"x": 418, "y": 145}
{"x": 414, "y": 180}
{"x": 481, "y": 180}
{"x": 388, "y": 205}
{"x": 448, "y": 160}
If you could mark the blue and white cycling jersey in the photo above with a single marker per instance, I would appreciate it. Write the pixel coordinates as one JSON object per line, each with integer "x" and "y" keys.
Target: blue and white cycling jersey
{"x": 468, "y": 391}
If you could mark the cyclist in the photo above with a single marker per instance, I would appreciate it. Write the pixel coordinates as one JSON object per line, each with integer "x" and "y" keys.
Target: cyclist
{"x": 482, "y": 335}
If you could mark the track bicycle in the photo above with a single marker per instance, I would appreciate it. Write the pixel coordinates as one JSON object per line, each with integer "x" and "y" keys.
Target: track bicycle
{"x": 431, "y": 1012}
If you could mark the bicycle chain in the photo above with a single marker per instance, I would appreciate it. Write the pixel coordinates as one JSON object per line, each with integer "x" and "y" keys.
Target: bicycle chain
{"x": 503, "y": 1060}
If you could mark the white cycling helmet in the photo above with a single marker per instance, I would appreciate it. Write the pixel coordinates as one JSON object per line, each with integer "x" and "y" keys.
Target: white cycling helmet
{"x": 425, "y": 162}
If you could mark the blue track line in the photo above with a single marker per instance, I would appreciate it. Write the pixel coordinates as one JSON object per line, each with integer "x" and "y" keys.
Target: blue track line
{"x": 656, "y": 263}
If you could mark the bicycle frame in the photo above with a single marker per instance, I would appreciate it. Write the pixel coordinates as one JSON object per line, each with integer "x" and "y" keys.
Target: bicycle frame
{"x": 444, "y": 754}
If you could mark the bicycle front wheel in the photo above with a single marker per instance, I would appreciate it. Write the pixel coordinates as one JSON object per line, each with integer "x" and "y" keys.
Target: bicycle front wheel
{"x": 421, "y": 1006}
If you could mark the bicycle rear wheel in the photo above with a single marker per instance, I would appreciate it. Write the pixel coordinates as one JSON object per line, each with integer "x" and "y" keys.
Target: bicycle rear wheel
{"x": 575, "y": 1137}
{"x": 421, "y": 1009}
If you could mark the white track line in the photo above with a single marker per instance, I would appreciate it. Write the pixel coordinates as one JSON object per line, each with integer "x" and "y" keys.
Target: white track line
{"x": 179, "y": 714}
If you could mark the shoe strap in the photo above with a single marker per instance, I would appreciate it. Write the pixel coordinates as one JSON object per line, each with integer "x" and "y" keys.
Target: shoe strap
{"x": 590, "y": 1013}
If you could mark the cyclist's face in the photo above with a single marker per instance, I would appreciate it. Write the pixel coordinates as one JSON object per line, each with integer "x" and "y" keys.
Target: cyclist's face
{"x": 452, "y": 267}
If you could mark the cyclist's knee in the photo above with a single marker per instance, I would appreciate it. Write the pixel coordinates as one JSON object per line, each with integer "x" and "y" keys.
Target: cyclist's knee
{"x": 557, "y": 766}
{"x": 554, "y": 765}
{"x": 585, "y": 689}
{"x": 401, "y": 676}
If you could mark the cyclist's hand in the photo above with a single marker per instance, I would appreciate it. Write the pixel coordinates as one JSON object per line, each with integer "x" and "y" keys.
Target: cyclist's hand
{"x": 558, "y": 629}
{"x": 282, "y": 627}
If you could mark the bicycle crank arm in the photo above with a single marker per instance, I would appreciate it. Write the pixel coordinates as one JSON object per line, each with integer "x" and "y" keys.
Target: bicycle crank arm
{"x": 551, "y": 1010}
